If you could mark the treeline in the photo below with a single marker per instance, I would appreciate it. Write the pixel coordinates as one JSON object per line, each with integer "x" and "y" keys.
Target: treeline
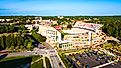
{"x": 15, "y": 42}
{"x": 38, "y": 37}
{"x": 112, "y": 26}
{"x": 17, "y": 19}
{"x": 7, "y": 28}
{"x": 49, "y": 17}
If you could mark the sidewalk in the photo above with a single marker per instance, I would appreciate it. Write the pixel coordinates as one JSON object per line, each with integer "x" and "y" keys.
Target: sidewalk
{"x": 44, "y": 62}
{"x": 104, "y": 64}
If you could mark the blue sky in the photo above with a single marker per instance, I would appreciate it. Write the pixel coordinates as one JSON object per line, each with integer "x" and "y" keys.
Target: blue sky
{"x": 60, "y": 7}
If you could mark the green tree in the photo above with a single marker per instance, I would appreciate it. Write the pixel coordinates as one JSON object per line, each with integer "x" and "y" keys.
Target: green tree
{"x": 12, "y": 47}
{"x": 69, "y": 26}
{"x": 7, "y": 41}
{"x": 17, "y": 47}
{"x": 2, "y": 46}
{"x": 29, "y": 46}
{"x": 38, "y": 37}
{"x": 26, "y": 42}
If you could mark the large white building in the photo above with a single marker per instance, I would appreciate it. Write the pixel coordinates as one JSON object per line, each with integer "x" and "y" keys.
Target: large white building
{"x": 53, "y": 36}
{"x": 83, "y": 35}
{"x": 80, "y": 36}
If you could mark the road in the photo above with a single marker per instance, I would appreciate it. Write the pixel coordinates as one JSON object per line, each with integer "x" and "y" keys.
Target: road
{"x": 48, "y": 46}
{"x": 49, "y": 52}
{"x": 20, "y": 54}
{"x": 56, "y": 58}
{"x": 54, "y": 62}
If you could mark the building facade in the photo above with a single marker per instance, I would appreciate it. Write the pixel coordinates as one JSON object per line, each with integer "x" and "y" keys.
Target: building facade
{"x": 84, "y": 35}
{"x": 53, "y": 36}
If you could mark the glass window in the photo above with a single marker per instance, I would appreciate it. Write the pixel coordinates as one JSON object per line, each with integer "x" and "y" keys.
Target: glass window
{"x": 60, "y": 46}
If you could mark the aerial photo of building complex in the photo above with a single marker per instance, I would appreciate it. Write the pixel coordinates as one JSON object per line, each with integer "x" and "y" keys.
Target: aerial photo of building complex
{"x": 60, "y": 34}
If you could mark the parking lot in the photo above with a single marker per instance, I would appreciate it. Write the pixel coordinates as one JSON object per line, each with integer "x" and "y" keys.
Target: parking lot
{"x": 89, "y": 59}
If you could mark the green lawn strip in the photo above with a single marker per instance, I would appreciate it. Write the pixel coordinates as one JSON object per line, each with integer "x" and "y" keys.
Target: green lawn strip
{"x": 73, "y": 51}
{"x": 12, "y": 58}
{"x": 38, "y": 64}
{"x": 48, "y": 65}
{"x": 13, "y": 62}
{"x": 34, "y": 58}
{"x": 70, "y": 51}
{"x": 65, "y": 61}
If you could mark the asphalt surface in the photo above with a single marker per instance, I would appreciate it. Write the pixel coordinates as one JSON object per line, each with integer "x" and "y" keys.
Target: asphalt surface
{"x": 20, "y": 54}
{"x": 54, "y": 62}
{"x": 48, "y": 51}
{"x": 114, "y": 65}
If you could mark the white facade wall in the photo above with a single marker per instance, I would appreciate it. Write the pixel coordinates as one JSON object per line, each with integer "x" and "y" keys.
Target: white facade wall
{"x": 51, "y": 33}
{"x": 89, "y": 42}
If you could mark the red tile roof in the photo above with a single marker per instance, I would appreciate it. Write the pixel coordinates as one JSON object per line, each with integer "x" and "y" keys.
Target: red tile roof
{"x": 58, "y": 27}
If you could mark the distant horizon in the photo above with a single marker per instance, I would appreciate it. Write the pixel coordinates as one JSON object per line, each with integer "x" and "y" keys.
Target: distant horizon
{"x": 60, "y": 7}
{"x": 61, "y": 15}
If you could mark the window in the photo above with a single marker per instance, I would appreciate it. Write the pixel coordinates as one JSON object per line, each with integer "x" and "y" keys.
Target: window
{"x": 86, "y": 32}
{"x": 60, "y": 46}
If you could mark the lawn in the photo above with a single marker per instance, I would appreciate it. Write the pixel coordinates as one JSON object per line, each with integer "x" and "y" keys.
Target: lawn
{"x": 67, "y": 52}
{"x": 38, "y": 64}
{"x": 48, "y": 62}
{"x": 13, "y": 62}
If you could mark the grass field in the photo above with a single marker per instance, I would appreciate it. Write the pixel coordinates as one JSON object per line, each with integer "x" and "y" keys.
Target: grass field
{"x": 73, "y": 51}
{"x": 38, "y": 64}
{"x": 48, "y": 62}
{"x": 14, "y": 62}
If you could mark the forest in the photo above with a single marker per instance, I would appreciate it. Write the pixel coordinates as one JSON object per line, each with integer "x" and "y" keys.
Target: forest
{"x": 15, "y": 42}
{"x": 16, "y": 38}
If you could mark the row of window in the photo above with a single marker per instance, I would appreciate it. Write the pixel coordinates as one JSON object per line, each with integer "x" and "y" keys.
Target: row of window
{"x": 65, "y": 45}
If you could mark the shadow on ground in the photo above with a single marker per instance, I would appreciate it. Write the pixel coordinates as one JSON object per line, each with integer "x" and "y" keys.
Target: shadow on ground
{"x": 3, "y": 56}
{"x": 15, "y": 63}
